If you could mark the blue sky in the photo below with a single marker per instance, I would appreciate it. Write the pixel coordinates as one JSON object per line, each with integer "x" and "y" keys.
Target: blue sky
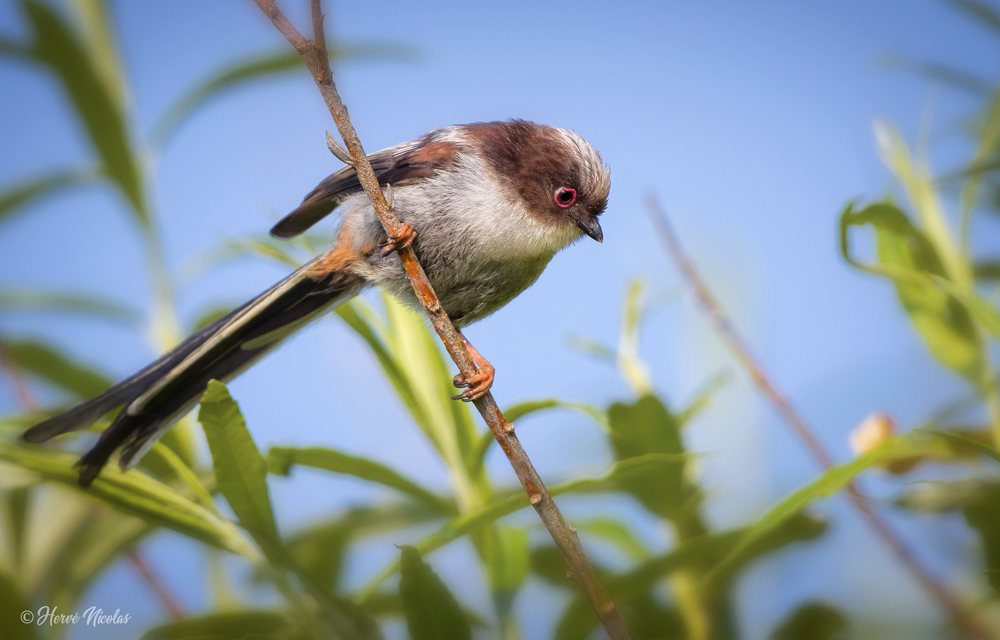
{"x": 751, "y": 121}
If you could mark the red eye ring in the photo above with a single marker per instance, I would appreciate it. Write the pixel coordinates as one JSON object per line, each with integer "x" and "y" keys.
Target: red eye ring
{"x": 565, "y": 197}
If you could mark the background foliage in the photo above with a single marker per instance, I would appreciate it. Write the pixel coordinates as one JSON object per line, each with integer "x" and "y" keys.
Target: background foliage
{"x": 209, "y": 482}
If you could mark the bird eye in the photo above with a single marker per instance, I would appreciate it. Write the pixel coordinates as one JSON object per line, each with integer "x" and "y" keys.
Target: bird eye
{"x": 565, "y": 197}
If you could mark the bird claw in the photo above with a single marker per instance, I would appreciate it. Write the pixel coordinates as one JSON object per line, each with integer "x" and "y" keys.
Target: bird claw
{"x": 407, "y": 234}
{"x": 477, "y": 385}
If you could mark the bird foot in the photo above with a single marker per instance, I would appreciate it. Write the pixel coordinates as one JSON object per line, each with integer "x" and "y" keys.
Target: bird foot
{"x": 407, "y": 234}
{"x": 477, "y": 385}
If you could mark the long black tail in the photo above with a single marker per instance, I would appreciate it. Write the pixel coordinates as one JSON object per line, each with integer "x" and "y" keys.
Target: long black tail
{"x": 161, "y": 393}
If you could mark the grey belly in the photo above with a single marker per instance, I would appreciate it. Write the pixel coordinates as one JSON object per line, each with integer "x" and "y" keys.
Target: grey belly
{"x": 467, "y": 292}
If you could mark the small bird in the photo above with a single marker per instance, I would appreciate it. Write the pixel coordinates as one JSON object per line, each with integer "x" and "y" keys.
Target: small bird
{"x": 484, "y": 206}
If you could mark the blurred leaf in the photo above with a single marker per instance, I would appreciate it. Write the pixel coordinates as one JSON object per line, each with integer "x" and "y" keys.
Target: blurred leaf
{"x": 617, "y": 533}
{"x": 132, "y": 493}
{"x": 963, "y": 440}
{"x": 101, "y": 538}
{"x": 984, "y": 312}
{"x": 981, "y": 11}
{"x": 703, "y": 397}
{"x": 593, "y": 348}
{"x": 906, "y": 256}
{"x": 993, "y": 577}
{"x": 432, "y": 613}
{"x": 209, "y": 316}
{"x": 935, "y": 496}
{"x": 508, "y": 563}
{"x": 281, "y": 459}
{"x": 631, "y": 588}
{"x": 14, "y": 49}
{"x": 99, "y": 41}
{"x": 57, "y": 46}
{"x": 231, "y": 624}
{"x": 70, "y": 303}
{"x": 473, "y": 519}
{"x": 548, "y": 563}
{"x": 19, "y": 196}
{"x": 320, "y": 550}
{"x": 240, "y": 470}
{"x": 524, "y": 409}
{"x": 811, "y": 621}
{"x": 920, "y": 188}
{"x": 238, "y": 248}
{"x": 832, "y": 480}
{"x": 944, "y": 74}
{"x": 983, "y": 515}
{"x": 12, "y": 603}
{"x": 987, "y": 270}
{"x": 986, "y": 146}
{"x": 42, "y": 361}
{"x": 647, "y": 427}
{"x": 632, "y": 368}
{"x": 251, "y": 70}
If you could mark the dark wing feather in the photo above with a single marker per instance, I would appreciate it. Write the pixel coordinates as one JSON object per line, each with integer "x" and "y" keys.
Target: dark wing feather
{"x": 395, "y": 165}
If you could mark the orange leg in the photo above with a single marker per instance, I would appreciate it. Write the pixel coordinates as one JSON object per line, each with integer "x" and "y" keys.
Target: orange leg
{"x": 480, "y": 382}
{"x": 407, "y": 234}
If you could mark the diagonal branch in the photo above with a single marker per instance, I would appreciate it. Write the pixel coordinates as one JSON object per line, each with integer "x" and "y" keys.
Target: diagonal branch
{"x": 737, "y": 346}
{"x": 314, "y": 54}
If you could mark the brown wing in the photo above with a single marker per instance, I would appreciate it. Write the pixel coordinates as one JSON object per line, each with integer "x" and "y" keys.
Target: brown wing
{"x": 395, "y": 165}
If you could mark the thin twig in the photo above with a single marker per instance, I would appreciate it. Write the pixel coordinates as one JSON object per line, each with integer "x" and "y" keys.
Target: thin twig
{"x": 314, "y": 54}
{"x": 737, "y": 346}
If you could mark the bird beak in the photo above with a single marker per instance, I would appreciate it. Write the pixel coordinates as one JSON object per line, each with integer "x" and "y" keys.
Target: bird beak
{"x": 589, "y": 225}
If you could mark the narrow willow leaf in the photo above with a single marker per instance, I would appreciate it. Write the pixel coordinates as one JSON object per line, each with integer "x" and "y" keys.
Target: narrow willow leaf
{"x": 132, "y": 493}
{"x": 508, "y": 561}
{"x": 907, "y": 257}
{"x": 987, "y": 270}
{"x": 432, "y": 613}
{"x": 831, "y": 481}
{"x": 964, "y": 441}
{"x": 69, "y": 303}
{"x": 231, "y": 624}
{"x": 281, "y": 459}
{"x": 240, "y": 470}
{"x": 938, "y": 496}
{"x": 983, "y": 515}
{"x": 246, "y": 72}
{"x": 58, "y": 47}
{"x": 41, "y": 360}
{"x": 17, "y": 197}
{"x": 981, "y": 310}
{"x": 631, "y": 366}
{"x": 99, "y": 40}
{"x": 703, "y": 397}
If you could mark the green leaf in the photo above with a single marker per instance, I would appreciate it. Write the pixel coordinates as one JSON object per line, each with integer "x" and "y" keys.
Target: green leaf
{"x": 240, "y": 470}
{"x": 981, "y": 310}
{"x": 69, "y": 303}
{"x": 983, "y": 515}
{"x": 132, "y": 493}
{"x": 231, "y": 624}
{"x": 811, "y": 621}
{"x": 12, "y": 603}
{"x": 98, "y": 39}
{"x": 966, "y": 442}
{"x": 832, "y": 480}
{"x": 432, "y": 613}
{"x": 936, "y": 496}
{"x": 46, "y": 363}
{"x": 987, "y": 270}
{"x": 58, "y": 47}
{"x": 16, "y": 198}
{"x": 508, "y": 561}
{"x": 248, "y": 71}
{"x": 281, "y": 459}
{"x": 907, "y": 257}
{"x": 476, "y": 518}
{"x": 648, "y": 427}
{"x": 703, "y": 397}
{"x": 982, "y": 12}
{"x": 616, "y": 532}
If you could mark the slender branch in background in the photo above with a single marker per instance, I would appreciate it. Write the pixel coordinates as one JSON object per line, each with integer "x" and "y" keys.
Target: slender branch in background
{"x": 314, "y": 54}
{"x": 737, "y": 346}
{"x": 168, "y": 601}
